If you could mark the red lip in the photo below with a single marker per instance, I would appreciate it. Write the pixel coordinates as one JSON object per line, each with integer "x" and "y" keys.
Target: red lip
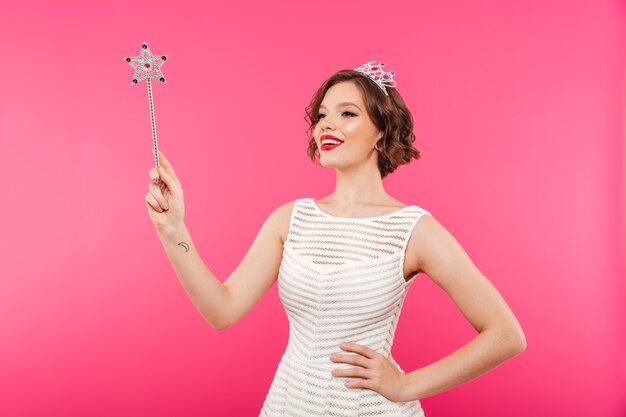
{"x": 330, "y": 147}
{"x": 330, "y": 137}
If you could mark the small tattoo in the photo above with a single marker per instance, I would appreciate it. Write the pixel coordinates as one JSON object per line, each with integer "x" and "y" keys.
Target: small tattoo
{"x": 184, "y": 245}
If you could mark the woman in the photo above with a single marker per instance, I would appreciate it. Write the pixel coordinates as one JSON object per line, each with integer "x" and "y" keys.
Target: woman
{"x": 344, "y": 264}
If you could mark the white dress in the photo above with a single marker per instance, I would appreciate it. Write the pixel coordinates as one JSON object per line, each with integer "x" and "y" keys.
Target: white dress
{"x": 340, "y": 279}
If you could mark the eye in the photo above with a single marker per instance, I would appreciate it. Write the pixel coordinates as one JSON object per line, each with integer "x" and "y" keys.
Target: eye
{"x": 319, "y": 116}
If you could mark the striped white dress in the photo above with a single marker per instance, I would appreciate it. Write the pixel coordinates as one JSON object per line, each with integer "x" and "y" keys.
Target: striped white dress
{"x": 340, "y": 279}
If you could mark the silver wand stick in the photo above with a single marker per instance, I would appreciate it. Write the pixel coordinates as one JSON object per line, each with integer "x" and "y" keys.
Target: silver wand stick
{"x": 155, "y": 145}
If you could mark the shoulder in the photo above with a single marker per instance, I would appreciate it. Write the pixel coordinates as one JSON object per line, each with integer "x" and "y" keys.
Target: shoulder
{"x": 431, "y": 244}
{"x": 425, "y": 230}
{"x": 280, "y": 218}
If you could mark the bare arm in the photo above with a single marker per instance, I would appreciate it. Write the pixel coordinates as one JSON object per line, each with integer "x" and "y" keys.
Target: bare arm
{"x": 500, "y": 337}
{"x": 258, "y": 270}
{"x": 224, "y": 304}
{"x": 204, "y": 289}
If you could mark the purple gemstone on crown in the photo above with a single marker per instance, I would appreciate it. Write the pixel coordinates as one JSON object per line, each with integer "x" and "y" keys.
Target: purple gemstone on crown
{"x": 386, "y": 77}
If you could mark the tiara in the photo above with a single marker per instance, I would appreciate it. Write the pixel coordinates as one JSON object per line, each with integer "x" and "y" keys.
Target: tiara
{"x": 376, "y": 73}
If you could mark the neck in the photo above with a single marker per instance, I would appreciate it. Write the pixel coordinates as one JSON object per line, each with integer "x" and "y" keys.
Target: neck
{"x": 359, "y": 184}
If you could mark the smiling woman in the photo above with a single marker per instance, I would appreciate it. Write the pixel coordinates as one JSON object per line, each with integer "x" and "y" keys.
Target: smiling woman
{"x": 344, "y": 264}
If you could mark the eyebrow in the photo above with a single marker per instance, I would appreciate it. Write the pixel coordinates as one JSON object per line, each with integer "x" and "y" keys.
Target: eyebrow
{"x": 345, "y": 103}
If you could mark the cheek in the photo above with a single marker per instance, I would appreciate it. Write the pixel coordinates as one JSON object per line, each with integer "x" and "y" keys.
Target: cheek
{"x": 353, "y": 128}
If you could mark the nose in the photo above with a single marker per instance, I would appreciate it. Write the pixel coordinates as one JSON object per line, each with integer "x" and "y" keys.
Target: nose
{"x": 326, "y": 123}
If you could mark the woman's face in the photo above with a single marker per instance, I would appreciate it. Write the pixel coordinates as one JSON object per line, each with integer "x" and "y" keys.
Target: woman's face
{"x": 342, "y": 115}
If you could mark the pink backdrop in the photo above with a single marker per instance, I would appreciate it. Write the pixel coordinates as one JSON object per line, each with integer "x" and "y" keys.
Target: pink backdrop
{"x": 519, "y": 110}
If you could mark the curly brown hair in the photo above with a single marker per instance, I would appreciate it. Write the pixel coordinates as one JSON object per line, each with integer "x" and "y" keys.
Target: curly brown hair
{"x": 389, "y": 114}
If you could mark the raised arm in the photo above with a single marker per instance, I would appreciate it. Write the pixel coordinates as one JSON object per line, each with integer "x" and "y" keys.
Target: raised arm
{"x": 222, "y": 305}
{"x": 258, "y": 270}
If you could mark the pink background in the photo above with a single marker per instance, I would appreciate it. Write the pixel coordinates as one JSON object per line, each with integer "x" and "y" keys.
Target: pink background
{"x": 519, "y": 110}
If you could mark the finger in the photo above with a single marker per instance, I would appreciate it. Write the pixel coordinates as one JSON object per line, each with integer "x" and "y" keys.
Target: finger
{"x": 154, "y": 174}
{"x": 352, "y": 359}
{"x": 166, "y": 163}
{"x": 359, "y": 383}
{"x": 361, "y": 349}
{"x": 352, "y": 372}
{"x": 170, "y": 180}
{"x": 152, "y": 203}
{"x": 155, "y": 191}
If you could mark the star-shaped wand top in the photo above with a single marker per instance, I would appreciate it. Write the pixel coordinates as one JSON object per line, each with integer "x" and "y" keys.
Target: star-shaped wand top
{"x": 146, "y": 65}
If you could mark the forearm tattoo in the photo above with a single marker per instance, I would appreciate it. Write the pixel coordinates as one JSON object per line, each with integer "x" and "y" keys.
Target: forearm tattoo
{"x": 184, "y": 245}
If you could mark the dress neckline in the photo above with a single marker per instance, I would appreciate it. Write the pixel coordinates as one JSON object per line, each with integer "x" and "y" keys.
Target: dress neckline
{"x": 314, "y": 204}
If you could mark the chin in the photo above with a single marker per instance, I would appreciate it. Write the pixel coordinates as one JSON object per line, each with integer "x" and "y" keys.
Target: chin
{"x": 329, "y": 163}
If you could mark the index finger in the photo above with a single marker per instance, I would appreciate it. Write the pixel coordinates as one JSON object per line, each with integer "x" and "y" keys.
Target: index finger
{"x": 166, "y": 164}
{"x": 361, "y": 349}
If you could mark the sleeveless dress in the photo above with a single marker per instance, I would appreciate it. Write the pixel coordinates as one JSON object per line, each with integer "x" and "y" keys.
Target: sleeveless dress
{"x": 340, "y": 279}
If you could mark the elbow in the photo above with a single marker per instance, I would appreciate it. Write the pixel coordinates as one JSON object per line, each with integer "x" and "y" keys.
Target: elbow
{"x": 511, "y": 340}
{"x": 521, "y": 343}
{"x": 219, "y": 326}
{"x": 216, "y": 324}
{"x": 517, "y": 342}
{"x": 217, "y": 320}
{"x": 225, "y": 318}
{"x": 222, "y": 327}
{"x": 223, "y": 322}
{"x": 515, "y": 337}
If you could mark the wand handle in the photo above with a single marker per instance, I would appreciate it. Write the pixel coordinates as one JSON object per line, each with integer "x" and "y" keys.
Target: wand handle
{"x": 155, "y": 145}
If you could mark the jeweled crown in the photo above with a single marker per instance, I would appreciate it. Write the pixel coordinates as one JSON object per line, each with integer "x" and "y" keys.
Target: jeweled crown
{"x": 375, "y": 72}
